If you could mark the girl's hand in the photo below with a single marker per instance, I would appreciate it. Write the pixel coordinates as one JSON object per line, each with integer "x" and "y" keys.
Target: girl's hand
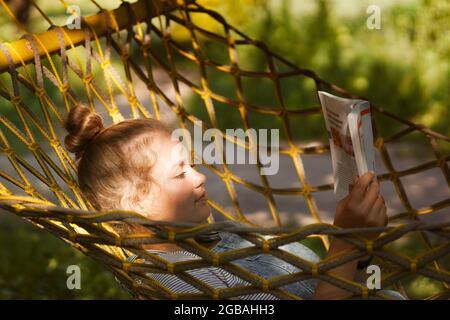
{"x": 363, "y": 207}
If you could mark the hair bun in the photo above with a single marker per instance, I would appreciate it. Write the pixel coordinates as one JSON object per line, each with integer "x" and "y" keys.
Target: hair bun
{"x": 83, "y": 125}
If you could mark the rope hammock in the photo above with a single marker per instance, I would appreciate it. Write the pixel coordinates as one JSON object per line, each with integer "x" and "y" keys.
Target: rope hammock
{"x": 62, "y": 67}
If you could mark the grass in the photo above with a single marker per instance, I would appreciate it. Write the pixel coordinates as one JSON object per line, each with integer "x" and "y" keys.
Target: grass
{"x": 34, "y": 263}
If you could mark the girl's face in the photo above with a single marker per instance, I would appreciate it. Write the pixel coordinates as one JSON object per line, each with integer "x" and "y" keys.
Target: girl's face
{"x": 178, "y": 191}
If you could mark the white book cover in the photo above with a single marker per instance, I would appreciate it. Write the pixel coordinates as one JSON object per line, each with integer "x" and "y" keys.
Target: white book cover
{"x": 349, "y": 126}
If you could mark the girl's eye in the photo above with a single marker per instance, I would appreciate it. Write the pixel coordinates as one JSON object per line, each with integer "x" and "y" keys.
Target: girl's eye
{"x": 181, "y": 176}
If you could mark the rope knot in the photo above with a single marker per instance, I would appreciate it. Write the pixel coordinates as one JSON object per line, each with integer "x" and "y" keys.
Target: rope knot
{"x": 40, "y": 92}
{"x": 226, "y": 175}
{"x": 125, "y": 266}
{"x": 231, "y": 40}
{"x": 132, "y": 100}
{"x": 72, "y": 184}
{"x": 64, "y": 88}
{"x": 33, "y": 146}
{"x": 118, "y": 241}
{"x": 16, "y": 100}
{"x": 315, "y": 270}
{"x": 282, "y": 112}
{"x": 29, "y": 189}
{"x": 54, "y": 187}
{"x": 364, "y": 292}
{"x": 273, "y": 76}
{"x": 146, "y": 46}
{"x": 87, "y": 79}
{"x": 441, "y": 162}
{"x": 171, "y": 236}
{"x": 116, "y": 115}
{"x": 369, "y": 247}
{"x": 266, "y": 246}
{"x": 125, "y": 55}
{"x": 264, "y": 285}
{"x": 73, "y": 236}
{"x": 55, "y": 143}
{"x": 215, "y": 260}
{"x": 18, "y": 208}
{"x": 105, "y": 64}
{"x": 179, "y": 111}
{"x": 413, "y": 266}
{"x": 379, "y": 143}
{"x": 234, "y": 71}
{"x": 8, "y": 151}
{"x": 393, "y": 176}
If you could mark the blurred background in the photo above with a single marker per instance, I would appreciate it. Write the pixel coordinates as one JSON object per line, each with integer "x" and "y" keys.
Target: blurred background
{"x": 403, "y": 67}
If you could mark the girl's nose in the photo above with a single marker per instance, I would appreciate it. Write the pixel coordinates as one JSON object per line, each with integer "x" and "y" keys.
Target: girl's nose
{"x": 200, "y": 179}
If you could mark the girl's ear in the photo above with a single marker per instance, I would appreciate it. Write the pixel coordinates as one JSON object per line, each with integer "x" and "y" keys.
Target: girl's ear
{"x": 129, "y": 203}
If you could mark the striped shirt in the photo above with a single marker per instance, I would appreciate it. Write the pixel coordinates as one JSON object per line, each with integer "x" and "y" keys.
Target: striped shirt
{"x": 219, "y": 278}
{"x": 214, "y": 277}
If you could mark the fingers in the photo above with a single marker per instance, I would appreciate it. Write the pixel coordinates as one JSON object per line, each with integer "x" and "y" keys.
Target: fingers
{"x": 372, "y": 196}
{"x": 355, "y": 179}
{"x": 379, "y": 203}
{"x": 382, "y": 217}
{"x": 386, "y": 218}
{"x": 360, "y": 187}
{"x": 377, "y": 215}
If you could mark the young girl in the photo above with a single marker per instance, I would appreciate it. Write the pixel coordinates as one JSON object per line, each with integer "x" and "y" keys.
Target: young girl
{"x": 136, "y": 165}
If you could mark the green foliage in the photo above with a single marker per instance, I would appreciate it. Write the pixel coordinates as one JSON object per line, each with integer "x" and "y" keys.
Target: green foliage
{"x": 33, "y": 265}
{"x": 403, "y": 67}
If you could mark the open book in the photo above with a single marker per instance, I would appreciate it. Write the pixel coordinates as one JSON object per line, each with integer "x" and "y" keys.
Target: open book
{"x": 349, "y": 127}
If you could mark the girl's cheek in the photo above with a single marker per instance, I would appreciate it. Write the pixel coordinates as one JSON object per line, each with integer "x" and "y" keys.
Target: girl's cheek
{"x": 183, "y": 194}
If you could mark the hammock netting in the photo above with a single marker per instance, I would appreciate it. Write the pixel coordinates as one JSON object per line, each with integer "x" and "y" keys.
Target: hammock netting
{"x": 114, "y": 64}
